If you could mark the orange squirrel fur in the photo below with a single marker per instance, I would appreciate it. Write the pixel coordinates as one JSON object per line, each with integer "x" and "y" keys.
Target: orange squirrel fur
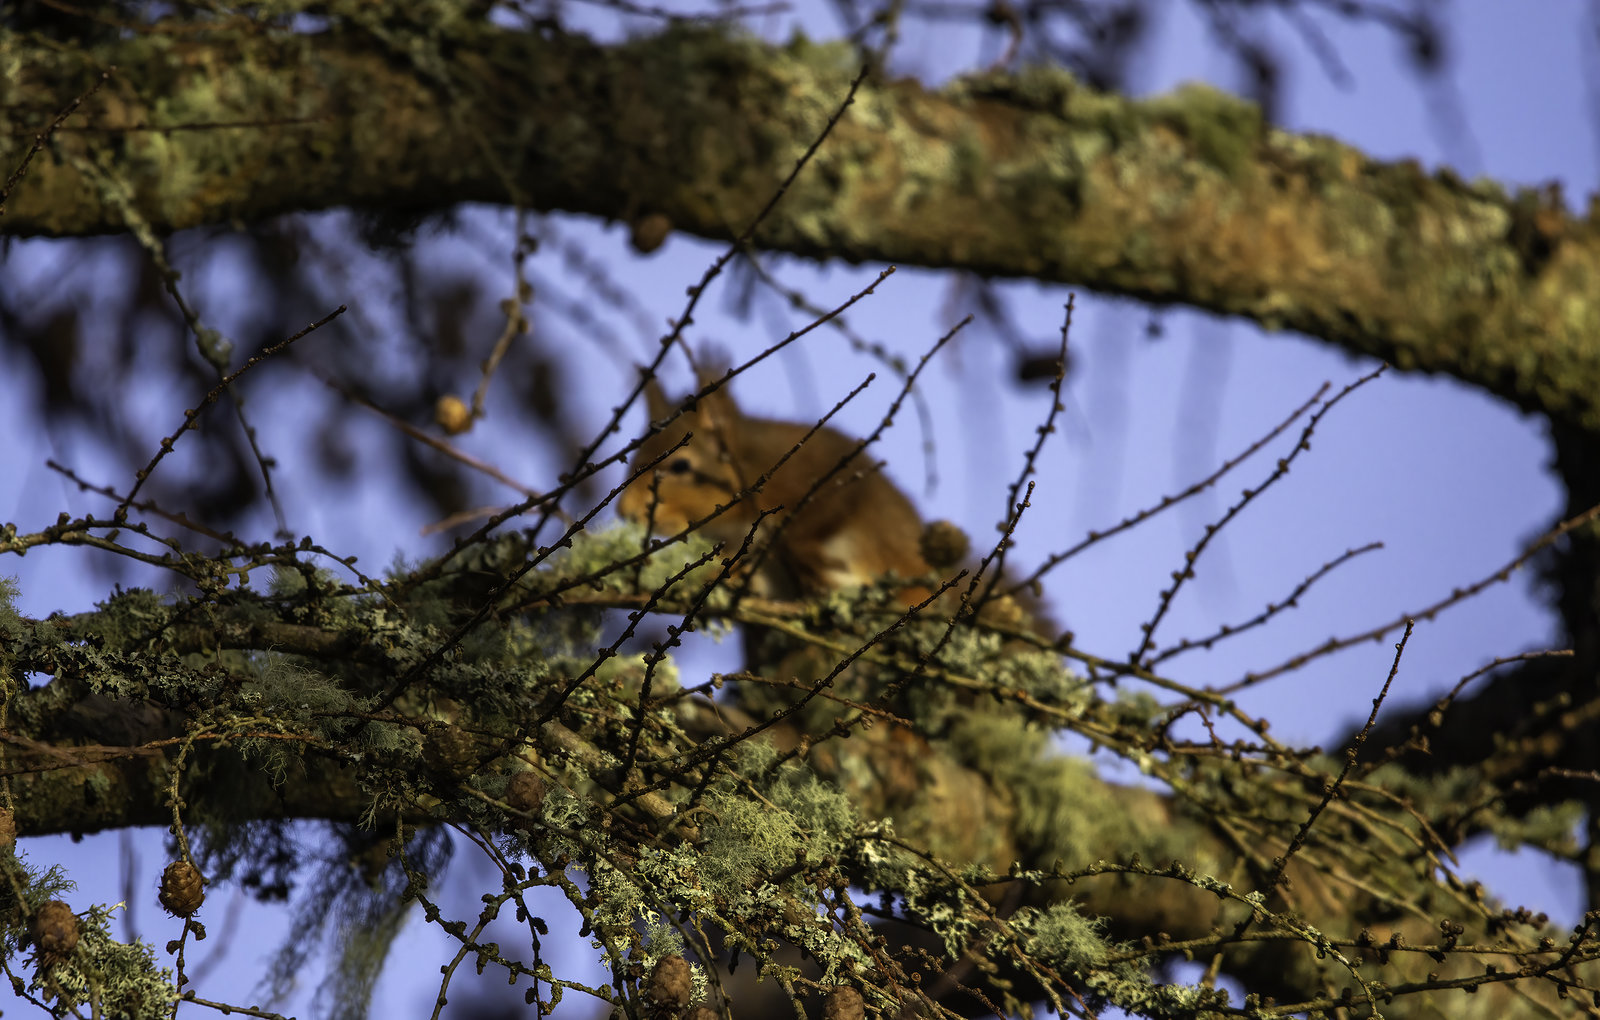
{"x": 839, "y": 522}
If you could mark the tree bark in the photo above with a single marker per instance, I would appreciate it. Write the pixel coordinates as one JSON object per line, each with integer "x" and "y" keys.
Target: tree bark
{"x": 1161, "y": 870}
{"x": 1188, "y": 198}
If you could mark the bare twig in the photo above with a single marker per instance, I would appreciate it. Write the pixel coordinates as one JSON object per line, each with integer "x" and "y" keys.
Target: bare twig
{"x": 40, "y": 138}
{"x": 1456, "y": 596}
{"x": 1167, "y": 502}
{"x": 1273, "y": 608}
{"x": 1168, "y": 595}
{"x": 192, "y": 415}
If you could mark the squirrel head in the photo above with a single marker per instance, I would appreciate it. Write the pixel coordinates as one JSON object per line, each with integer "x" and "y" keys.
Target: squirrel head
{"x": 834, "y": 520}
{"x": 697, "y": 467}
{"x": 837, "y": 521}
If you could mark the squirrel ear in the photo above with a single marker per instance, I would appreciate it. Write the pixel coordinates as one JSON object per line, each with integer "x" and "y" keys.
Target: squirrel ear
{"x": 655, "y": 401}
{"x": 719, "y": 408}
{"x": 719, "y": 403}
{"x": 712, "y": 364}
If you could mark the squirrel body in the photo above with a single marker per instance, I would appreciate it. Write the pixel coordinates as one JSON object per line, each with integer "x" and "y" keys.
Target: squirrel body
{"x": 837, "y": 520}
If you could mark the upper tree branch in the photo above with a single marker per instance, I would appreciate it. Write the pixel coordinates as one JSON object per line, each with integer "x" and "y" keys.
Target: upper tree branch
{"x": 1186, "y": 199}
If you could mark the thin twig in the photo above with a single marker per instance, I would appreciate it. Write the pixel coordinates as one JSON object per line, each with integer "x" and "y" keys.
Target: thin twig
{"x": 1030, "y": 460}
{"x": 1168, "y": 502}
{"x": 698, "y": 290}
{"x": 192, "y": 415}
{"x": 1273, "y": 608}
{"x": 1426, "y": 614}
{"x": 427, "y": 439}
{"x": 1331, "y": 790}
{"x": 41, "y": 137}
{"x": 1170, "y": 594}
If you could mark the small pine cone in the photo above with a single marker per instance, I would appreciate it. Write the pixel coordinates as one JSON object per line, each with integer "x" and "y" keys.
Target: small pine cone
{"x": 54, "y": 930}
{"x": 944, "y": 545}
{"x": 8, "y": 830}
{"x": 844, "y": 1003}
{"x": 183, "y": 889}
{"x": 450, "y": 750}
{"x": 525, "y": 792}
{"x": 671, "y": 985}
{"x": 649, "y": 232}
{"x": 452, "y": 414}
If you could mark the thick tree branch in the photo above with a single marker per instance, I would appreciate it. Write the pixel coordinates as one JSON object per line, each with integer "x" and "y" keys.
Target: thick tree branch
{"x": 1184, "y": 199}
{"x": 1182, "y": 867}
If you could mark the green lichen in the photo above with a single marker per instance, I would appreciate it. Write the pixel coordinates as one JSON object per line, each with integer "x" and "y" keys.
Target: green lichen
{"x": 596, "y": 553}
{"x": 108, "y": 977}
{"x": 1061, "y": 938}
{"x": 1222, "y": 130}
{"x": 10, "y": 630}
{"x": 1035, "y": 86}
{"x": 749, "y": 841}
{"x": 10, "y": 620}
{"x": 23, "y": 891}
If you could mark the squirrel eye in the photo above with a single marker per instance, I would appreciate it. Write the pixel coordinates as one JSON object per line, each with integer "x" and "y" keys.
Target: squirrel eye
{"x": 679, "y": 466}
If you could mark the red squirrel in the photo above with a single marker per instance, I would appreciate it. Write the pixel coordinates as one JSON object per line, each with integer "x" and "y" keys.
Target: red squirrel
{"x": 839, "y": 521}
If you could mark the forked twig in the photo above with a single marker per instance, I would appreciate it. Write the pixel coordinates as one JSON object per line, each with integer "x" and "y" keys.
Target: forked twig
{"x": 1273, "y": 608}
{"x": 1426, "y": 614}
{"x": 1169, "y": 594}
{"x": 1168, "y": 502}
{"x": 192, "y": 415}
